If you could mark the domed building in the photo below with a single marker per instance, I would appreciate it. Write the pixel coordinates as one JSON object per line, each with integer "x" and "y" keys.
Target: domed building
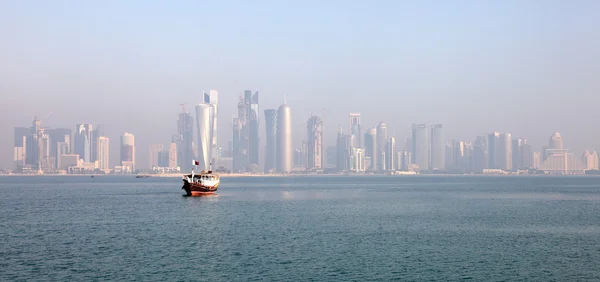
{"x": 559, "y": 160}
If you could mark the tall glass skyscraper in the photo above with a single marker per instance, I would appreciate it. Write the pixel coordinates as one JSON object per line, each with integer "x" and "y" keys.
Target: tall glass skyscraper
{"x": 284, "y": 139}
{"x": 103, "y": 153}
{"x": 371, "y": 147}
{"x": 82, "y": 143}
{"x": 271, "y": 143}
{"x": 500, "y": 150}
{"x": 381, "y": 145}
{"x": 420, "y": 150}
{"x": 314, "y": 143}
{"x": 246, "y": 140}
{"x": 390, "y": 153}
{"x": 205, "y": 122}
{"x": 438, "y": 148}
{"x": 185, "y": 140}
{"x": 355, "y": 130}
{"x": 212, "y": 98}
{"x": 128, "y": 152}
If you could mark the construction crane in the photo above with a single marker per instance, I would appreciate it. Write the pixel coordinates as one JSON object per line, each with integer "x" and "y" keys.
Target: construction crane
{"x": 46, "y": 116}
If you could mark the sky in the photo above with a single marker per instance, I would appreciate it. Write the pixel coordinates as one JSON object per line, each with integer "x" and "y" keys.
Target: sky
{"x": 528, "y": 67}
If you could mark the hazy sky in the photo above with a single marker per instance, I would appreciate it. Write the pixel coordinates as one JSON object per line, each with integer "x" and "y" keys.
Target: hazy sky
{"x": 525, "y": 67}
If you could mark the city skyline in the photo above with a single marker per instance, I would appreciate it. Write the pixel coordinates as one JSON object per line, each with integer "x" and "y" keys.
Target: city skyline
{"x": 429, "y": 150}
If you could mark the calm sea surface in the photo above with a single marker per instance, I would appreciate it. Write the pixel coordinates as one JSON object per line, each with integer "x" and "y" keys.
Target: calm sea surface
{"x": 301, "y": 228}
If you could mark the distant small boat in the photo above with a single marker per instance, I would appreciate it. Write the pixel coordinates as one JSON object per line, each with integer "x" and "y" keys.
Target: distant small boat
{"x": 92, "y": 176}
{"x": 142, "y": 176}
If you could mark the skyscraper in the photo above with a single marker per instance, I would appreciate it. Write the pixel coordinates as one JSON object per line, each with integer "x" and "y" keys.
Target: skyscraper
{"x": 94, "y": 135}
{"x": 420, "y": 150}
{"x": 252, "y": 110}
{"x": 526, "y": 155}
{"x": 381, "y": 145}
{"x": 355, "y": 130}
{"x": 19, "y": 146}
{"x": 103, "y": 153}
{"x": 516, "y": 148}
{"x": 390, "y": 154}
{"x": 205, "y": 122}
{"x": 343, "y": 150}
{"x": 314, "y": 143}
{"x": 357, "y": 160}
{"x": 173, "y": 155}
{"x": 155, "y": 149}
{"x": 245, "y": 127}
{"x": 212, "y": 98}
{"x": 500, "y": 151}
{"x": 82, "y": 142}
{"x": 59, "y": 137}
{"x": 480, "y": 154}
{"x": 184, "y": 140}
{"x": 271, "y": 144}
{"x": 438, "y": 148}
{"x": 128, "y": 152}
{"x": 284, "y": 139}
{"x": 371, "y": 150}
{"x": 33, "y": 145}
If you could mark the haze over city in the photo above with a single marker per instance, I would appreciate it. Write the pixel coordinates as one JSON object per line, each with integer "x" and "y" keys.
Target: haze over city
{"x": 528, "y": 68}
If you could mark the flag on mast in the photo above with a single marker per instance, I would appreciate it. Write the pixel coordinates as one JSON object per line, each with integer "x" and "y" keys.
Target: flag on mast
{"x": 196, "y": 162}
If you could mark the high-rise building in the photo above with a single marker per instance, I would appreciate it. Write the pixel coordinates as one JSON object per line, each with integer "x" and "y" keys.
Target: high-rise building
{"x": 155, "y": 149}
{"x": 94, "y": 135}
{"x": 271, "y": 142}
{"x": 128, "y": 152}
{"x": 103, "y": 153}
{"x": 252, "y": 113}
{"x": 239, "y": 147}
{"x": 172, "y": 155}
{"x": 536, "y": 158}
{"x": 516, "y": 148}
{"x": 20, "y": 146}
{"x": 355, "y": 130}
{"x": 184, "y": 140}
{"x": 212, "y": 98}
{"x": 284, "y": 139}
{"x": 245, "y": 136}
{"x": 82, "y": 142}
{"x": 205, "y": 122}
{"x": 59, "y": 138}
{"x": 390, "y": 153}
{"x": 526, "y": 155}
{"x": 420, "y": 148}
{"x": 404, "y": 160}
{"x": 500, "y": 151}
{"x": 590, "y": 160}
{"x": 357, "y": 160}
{"x": 556, "y": 141}
{"x": 163, "y": 159}
{"x": 315, "y": 143}
{"x": 371, "y": 148}
{"x": 342, "y": 151}
{"x": 438, "y": 148}
{"x": 33, "y": 146}
{"x": 381, "y": 145}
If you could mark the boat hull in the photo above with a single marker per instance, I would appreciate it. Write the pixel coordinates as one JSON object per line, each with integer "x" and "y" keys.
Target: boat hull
{"x": 195, "y": 189}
